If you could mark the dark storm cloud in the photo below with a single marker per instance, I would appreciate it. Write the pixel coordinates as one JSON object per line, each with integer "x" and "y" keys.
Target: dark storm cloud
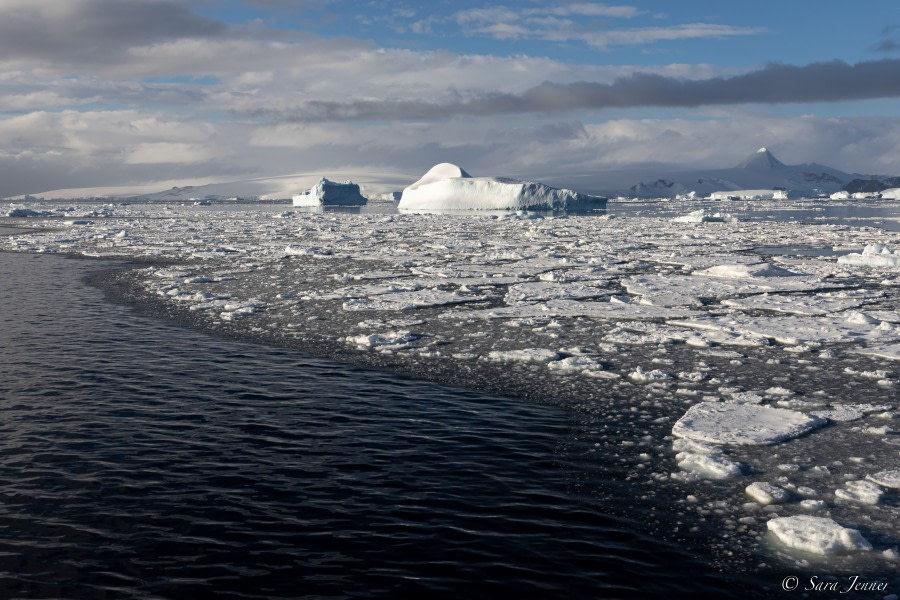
{"x": 775, "y": 84}
{"x": 95, "y": 31}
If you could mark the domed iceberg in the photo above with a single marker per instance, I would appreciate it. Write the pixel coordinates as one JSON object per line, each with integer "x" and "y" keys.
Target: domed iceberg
{"x": 448, "y": 187}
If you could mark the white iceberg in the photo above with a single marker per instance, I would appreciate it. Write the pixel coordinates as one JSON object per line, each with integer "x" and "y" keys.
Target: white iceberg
{"x": 818, "y": 535}
{"x": 749, "y": 195}
{"x": 331, "y": 193}
{"x": 873, "y": 255}
{"x": 703, "y": 216}
{"x": 448, "y": 187}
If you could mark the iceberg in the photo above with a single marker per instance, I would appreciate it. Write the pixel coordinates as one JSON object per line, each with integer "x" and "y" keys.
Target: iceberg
{"x": 331, "y": 193}
{"x": 750, "y": 195}
{"x": 448, "y": 187}
{"x": 873, "y": 255}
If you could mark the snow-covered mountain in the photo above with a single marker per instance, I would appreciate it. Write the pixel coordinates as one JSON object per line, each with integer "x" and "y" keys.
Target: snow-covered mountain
{"x": 760, "y": 170}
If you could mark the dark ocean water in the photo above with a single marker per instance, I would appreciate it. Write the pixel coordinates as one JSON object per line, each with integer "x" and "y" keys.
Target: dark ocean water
{"x": 143, "y": 460}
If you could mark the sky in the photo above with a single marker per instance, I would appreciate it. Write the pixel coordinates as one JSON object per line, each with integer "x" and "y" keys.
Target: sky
{"x": 170, "y": 92}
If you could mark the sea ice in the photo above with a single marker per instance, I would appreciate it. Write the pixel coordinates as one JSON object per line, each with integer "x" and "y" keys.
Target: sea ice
{"x": 743, "y": 424}
{"x": 28, "y": 212}
{"x": 642, "y": 376}
{"x": 860, "y": 490}
{"x": 448, "y": 187}
{"x": 536, "y": 355}
{"x": 818, "y": 535}
{"x": 745, "y": 271}
{"x": 888, "y": 479}
{"x": 767, "y": 493}
{"x": 709, "y": 466}
{"x": 374, "y": 340}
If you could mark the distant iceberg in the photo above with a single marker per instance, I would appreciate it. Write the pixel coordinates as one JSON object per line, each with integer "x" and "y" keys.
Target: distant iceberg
{"x": 750, "y": 195}
{"x": 448, "y": 187}
{"x": 331, "y": 193}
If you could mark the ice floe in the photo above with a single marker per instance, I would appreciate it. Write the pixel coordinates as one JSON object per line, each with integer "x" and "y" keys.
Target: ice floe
{"x": 860, "y": 490}
{"x": 743, "y": 424}
{"x": 766, "y": 493}
{"x": 818, "y": 535}
{"x": 888, "y": 479}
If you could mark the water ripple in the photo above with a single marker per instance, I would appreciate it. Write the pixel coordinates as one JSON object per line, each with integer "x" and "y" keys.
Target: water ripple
{"x": 138, "y": 460}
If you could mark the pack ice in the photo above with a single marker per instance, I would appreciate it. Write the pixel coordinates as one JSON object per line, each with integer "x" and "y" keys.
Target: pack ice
{"x": 448, "y": 187}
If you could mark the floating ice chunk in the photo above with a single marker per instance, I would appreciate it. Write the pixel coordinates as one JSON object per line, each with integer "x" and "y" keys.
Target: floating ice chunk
{"x": 744, "y": 397}
{"x": 536, "y": 291}
{"x": 537, "y": 355}
{"x": 575, "y": 308}
{"x": 313, "y": 251}
{"x": 767, "y": 493}
{"x": 576, "y": 364}
{"x": 792, "y": 330}
{"x": 889, "y": 351}
{"x": 448, "y": 187}
{"x": 642, "y": 376}
{"x": 703, "y": 216}
{"x": 709, "y": 466}
{"x": 331, "y": 193}
{"x": 695, "y": 447}
{"x": 873, "y": 255}
{"x": 409, "y": 300}
{"x": 860, "y": 490}
{"x": 851, "y": 412}
{"x": 819, "y": 535}
{"x": 28, "y": 212}
{"x": 667, "y": 290}
{"x": 842, "y": 413}
{"x": 742, "y": 424}
{"x": 745, "y": 271}
{"x": 812, "y": 504}
{"x": 806, "y": 305}
{"x": 392, "y": 338}
{"x": 888, "y": 479}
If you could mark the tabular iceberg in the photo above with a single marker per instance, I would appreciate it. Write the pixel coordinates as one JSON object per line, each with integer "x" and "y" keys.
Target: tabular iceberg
{"x": 331, "y": 193}
{"x": 448, "y": 187}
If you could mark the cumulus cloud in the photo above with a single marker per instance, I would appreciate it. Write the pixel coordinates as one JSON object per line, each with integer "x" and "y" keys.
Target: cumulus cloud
{"x": 775, "y": 84}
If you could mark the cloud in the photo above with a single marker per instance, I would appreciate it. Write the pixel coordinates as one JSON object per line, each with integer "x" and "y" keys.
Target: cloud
{"x": 773, "y": 84}
{"x": 99, "y": 31}
{"x": 567, "y": 23}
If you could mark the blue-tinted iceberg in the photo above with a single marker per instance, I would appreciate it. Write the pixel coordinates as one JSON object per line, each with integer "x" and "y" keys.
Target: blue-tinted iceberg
{"x": 331, "y": 193}
{"x": 448, "y": 187}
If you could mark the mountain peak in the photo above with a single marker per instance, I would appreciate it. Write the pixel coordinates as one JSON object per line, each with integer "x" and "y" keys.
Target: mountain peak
{"x": 762, "y": 160}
